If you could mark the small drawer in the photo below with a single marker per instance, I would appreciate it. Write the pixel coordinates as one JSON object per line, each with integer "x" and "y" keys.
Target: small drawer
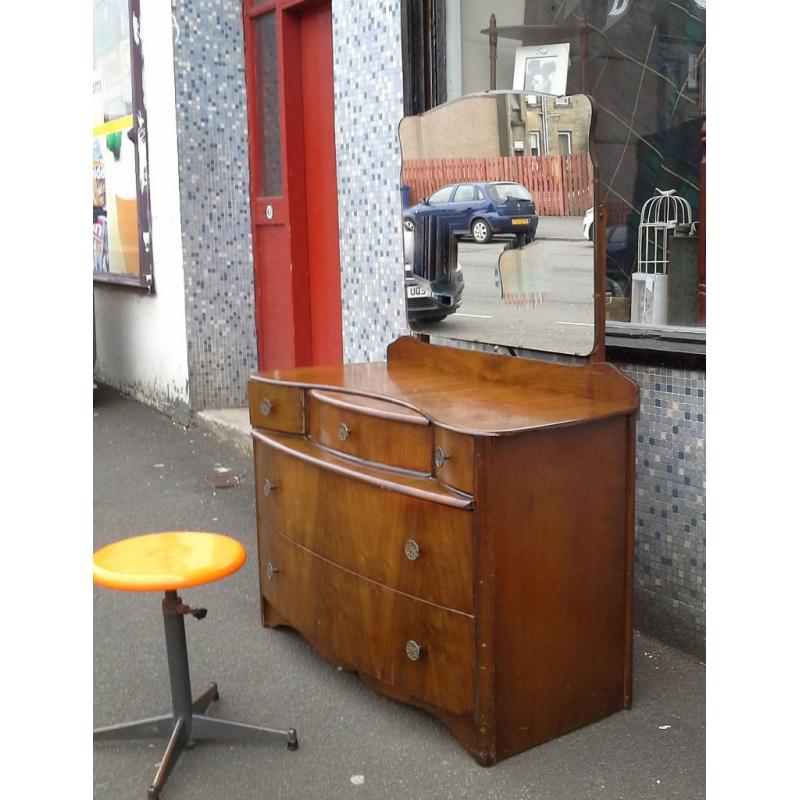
{"x": 276, "y": 408}
{"x": 453, "y": 458}
{"x": 381, "y": 432}
{"x": 421, "y": 649}
{"x": 419, "y": 547}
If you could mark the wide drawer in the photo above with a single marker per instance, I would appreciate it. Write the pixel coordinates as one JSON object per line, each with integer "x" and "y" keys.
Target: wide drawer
{"x": 416, "y": 647}
{"x": 417, "y": 546}
{"x": 376, "y": 431}
{"x": 275, "y": 407}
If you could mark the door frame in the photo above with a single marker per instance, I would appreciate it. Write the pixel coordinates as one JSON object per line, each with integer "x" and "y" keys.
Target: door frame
{"x": 292, "y": 320}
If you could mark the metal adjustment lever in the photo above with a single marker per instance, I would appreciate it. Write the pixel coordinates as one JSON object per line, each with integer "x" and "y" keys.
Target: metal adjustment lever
{"x": 271, "y": 571}
{"x": 197, "y": 613}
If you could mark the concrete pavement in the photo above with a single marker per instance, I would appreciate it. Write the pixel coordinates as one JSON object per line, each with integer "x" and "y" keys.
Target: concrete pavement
{"x": 151, "y": 474}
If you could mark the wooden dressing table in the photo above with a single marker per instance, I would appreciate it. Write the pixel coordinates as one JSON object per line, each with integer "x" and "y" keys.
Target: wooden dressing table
{"x": 457, "y": 527}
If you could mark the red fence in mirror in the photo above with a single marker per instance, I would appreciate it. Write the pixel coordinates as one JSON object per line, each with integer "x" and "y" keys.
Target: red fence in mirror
{"x": 560, "y": 185}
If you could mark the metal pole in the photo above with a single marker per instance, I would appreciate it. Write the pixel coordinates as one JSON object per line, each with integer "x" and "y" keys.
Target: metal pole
{"x": 178, "y": 661}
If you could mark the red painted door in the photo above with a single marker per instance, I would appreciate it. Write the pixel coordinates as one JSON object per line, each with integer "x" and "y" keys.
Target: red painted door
{"x": 293, "y": 193}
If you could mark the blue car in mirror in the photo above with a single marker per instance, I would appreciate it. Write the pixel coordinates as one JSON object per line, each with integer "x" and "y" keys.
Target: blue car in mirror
{"x": 483, "y": 210}
{"x": 432, "y": 229}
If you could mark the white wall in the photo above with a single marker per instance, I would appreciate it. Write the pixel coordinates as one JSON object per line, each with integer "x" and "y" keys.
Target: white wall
{"x": 141, "y": 339}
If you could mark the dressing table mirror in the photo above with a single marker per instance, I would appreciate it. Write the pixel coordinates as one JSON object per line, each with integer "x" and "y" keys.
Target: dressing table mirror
{"x": 498, "y": 240}
{"x": 456, "y": 525}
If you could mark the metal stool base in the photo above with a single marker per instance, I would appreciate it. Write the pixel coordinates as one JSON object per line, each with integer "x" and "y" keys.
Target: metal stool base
{"x": 188, "y": 722}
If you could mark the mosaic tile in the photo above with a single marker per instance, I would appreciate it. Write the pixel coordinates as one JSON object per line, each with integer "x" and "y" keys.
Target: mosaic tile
{"x": 208, "y": 57}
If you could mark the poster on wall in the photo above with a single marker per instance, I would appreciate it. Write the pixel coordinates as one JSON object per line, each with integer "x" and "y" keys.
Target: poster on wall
{"x": 118, "y": 197}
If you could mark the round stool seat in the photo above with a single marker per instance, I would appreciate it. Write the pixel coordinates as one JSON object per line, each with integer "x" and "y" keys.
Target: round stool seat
{"x": 167, "y": 561}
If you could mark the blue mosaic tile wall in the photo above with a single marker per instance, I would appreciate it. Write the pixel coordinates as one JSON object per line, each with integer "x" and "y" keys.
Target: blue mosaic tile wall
{"x": 670, "y": 517}
{"x": 368, "y": 97}
{"x": 214, "y": 187}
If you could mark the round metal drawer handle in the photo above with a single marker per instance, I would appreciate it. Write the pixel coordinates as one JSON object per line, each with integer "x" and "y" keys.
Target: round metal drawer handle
{"x": 413, "y": 650}
{"x": 439, "y": 457}
{"x": 344, "y": 431}
{"x": 269, "y": 487}
{"x": 266, "y": 407}
{"x": 271, "y": 571}
{"x": 411, "y": 549}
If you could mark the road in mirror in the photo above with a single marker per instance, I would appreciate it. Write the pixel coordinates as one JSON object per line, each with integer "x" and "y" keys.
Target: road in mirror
{"x": 498, "y": 222}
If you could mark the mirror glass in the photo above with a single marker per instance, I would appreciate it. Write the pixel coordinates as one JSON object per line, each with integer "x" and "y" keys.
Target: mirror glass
{"x": 498, "y": 221}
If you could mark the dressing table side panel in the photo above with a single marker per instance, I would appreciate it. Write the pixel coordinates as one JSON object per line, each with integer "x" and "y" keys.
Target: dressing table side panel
{"x": 560, "y": 580}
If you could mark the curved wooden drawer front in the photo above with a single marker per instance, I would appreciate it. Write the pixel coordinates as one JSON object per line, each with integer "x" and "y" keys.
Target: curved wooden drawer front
{"x": 398, "y": 439}
{"x": 420, "y": 547}
{"x": 453, "y": 459}
{"x": 276, "y": 408}
{"x": 371, "y": 625}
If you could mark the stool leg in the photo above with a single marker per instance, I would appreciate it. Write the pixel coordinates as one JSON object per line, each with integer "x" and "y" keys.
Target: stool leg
{"x": 178, "y": 661}
{"x": 153, "y": 727}
{"x": 204, "y": 727}
{"x": 175, "y": 747}
{"x": 203, "y": 701}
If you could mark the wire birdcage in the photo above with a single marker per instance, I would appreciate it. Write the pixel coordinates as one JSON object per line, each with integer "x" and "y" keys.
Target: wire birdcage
{"x": 661, "y": 215}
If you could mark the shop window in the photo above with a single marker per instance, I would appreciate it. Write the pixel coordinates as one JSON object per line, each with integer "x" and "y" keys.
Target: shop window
{"x": 643, "y": 63}
{"x": 122, "y": 250}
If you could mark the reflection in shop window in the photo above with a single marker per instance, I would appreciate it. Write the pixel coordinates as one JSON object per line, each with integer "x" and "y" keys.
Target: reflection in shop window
{"x": 119, "y": 177}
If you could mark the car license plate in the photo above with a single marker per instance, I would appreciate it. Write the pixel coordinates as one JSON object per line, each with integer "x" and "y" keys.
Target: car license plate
{"x": 519, "y": 221}
{"x": 418, "y": 291}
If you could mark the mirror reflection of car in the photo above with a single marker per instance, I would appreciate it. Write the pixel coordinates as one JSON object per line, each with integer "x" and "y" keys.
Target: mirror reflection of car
{"x": 485, "y": 209}
{"x": 434, "y": 289}
{"x": 459, "y": 211}
{"x": 620, "y": 254}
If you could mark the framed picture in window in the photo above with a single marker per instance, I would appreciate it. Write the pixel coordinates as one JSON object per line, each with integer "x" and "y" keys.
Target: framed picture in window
{"x": 542, "y": 69}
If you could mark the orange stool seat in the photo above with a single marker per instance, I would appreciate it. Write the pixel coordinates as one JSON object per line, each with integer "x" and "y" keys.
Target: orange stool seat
{"x": 167, "y": 561}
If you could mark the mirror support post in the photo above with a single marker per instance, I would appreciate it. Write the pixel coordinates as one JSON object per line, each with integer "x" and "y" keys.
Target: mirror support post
{"x": 600, "y": 220}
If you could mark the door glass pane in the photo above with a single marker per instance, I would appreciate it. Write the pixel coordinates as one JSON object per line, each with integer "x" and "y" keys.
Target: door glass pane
{"x": 269, "y": 111}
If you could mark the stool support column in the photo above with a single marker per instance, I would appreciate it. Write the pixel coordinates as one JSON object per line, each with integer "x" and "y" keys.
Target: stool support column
{"x": 178, "y": 662}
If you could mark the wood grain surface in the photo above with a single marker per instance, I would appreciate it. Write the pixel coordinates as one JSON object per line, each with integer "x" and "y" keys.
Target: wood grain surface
{"x": 365, "y": 529}
{"x": 371, "y": 625}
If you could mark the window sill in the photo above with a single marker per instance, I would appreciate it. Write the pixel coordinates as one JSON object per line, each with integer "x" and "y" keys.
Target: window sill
{"x": 673, "y": 346}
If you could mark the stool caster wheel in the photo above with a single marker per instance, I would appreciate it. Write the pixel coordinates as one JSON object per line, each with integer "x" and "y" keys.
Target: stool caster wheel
{"x": 152, "y": 793}
{"x": 292, "y": 744}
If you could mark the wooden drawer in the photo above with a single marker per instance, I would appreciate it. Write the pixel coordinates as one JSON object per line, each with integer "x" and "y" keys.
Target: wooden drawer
{"x": 376, "y": 431}
{"x": 276, "y": 408}
{"x": 454, "y": 455}
{"x": 371, "y": 626}
{"x": 417, "y": 546}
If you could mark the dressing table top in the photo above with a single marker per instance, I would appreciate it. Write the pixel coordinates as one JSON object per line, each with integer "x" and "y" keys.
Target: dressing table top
{"x": 473, "y": 392}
